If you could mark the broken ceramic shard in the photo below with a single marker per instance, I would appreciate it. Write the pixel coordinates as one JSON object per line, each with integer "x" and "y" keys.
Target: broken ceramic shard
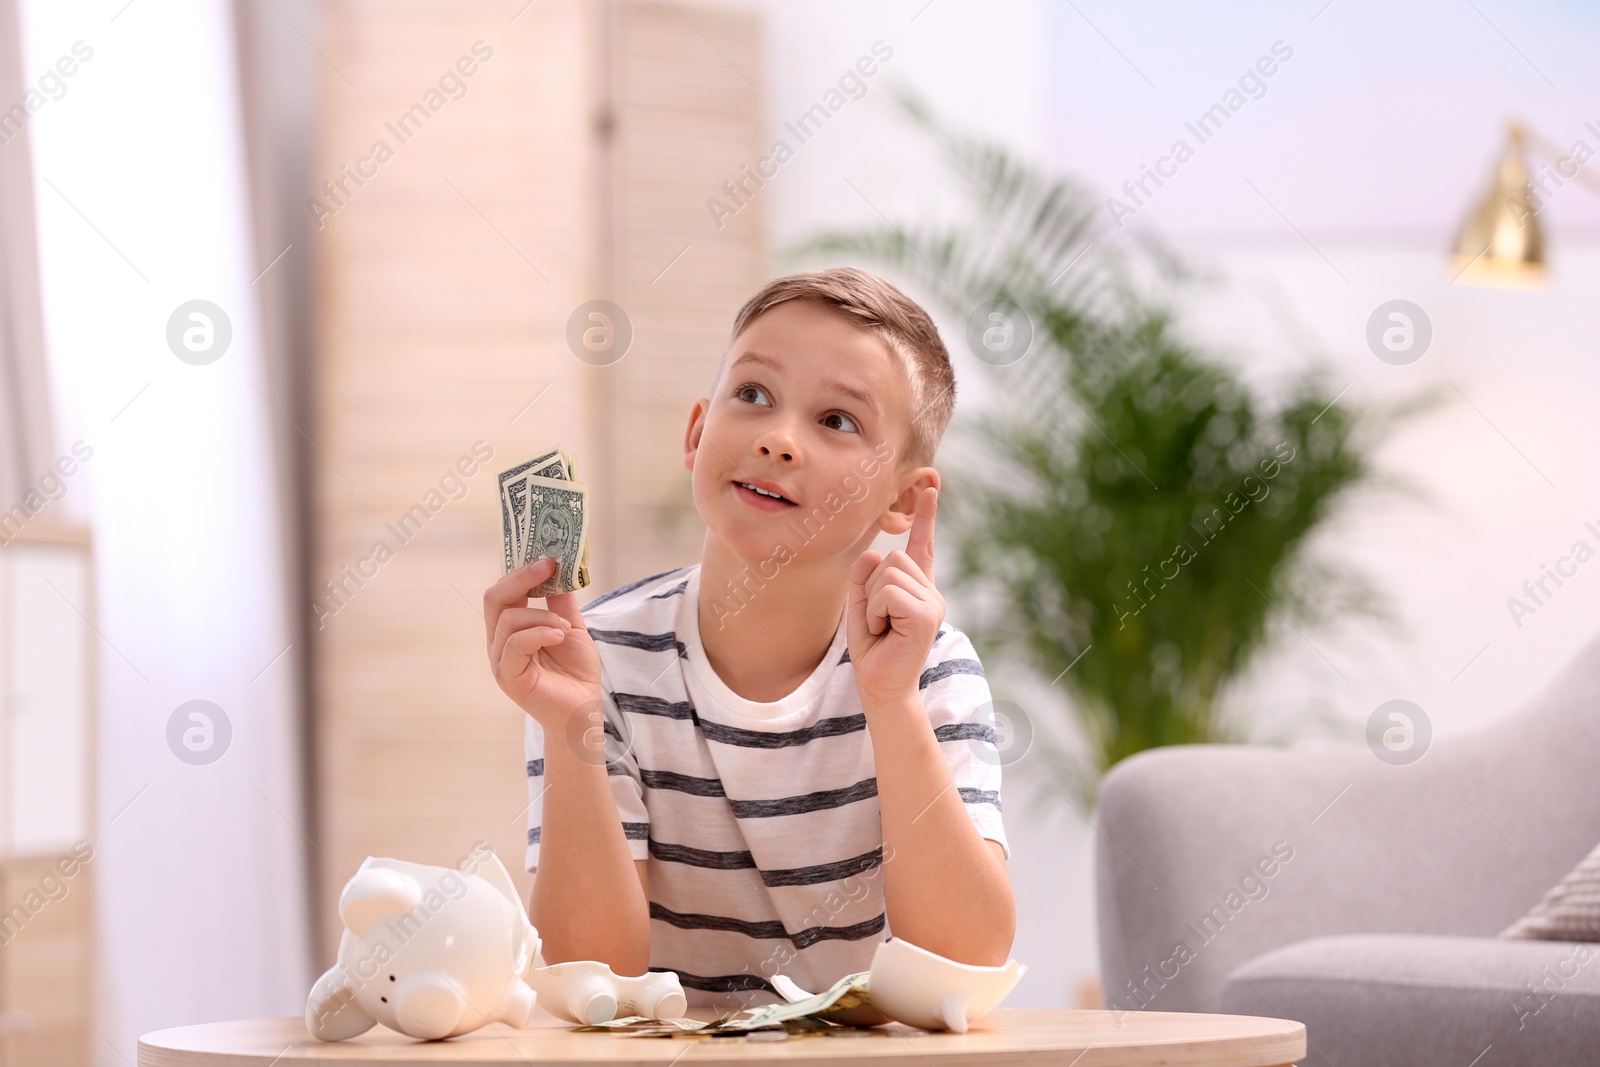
{"x": 922, "y": 988}
{"x": 589, "y": 992}
{"x": 431, "y": 952}
{"x": 906, "y": 984}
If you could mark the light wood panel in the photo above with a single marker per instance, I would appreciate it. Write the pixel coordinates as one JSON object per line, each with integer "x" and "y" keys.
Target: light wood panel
{"x": 47, "y": 919}
{"x": 576, "y": 166}
{"x": 49, "y": 969}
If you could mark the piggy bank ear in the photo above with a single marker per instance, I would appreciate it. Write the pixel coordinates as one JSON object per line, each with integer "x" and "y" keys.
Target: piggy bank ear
{"x": 332, "y": 1013}
{"x": 376, "y": 893}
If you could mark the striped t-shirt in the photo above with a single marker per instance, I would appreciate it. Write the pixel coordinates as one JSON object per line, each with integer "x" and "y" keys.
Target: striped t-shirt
{"x": 760, "y": 821}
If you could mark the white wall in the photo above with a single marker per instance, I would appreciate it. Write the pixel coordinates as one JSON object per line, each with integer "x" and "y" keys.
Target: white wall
{"x": 1507, "y": 461}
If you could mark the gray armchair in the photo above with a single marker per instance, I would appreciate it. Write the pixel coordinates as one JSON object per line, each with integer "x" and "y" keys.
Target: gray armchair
{"x": 1359, "y": 897}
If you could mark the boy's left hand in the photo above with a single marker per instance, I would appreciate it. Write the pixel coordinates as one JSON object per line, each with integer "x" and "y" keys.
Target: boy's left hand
{"x": 895, "y": 611}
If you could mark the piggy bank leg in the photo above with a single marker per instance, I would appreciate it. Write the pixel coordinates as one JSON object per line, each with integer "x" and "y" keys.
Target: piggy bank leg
{"x": 332, "y": 1013}
{"x": 517, "y": 1004}
{"x": 663, "y": 998}
{"x": 592, "y": 998}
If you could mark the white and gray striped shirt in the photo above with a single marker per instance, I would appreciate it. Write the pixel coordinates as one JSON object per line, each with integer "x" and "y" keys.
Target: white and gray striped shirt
{"x": 760, "y": 821}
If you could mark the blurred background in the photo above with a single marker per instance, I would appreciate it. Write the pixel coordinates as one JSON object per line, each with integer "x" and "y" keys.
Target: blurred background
{"x": 284, "y": 283}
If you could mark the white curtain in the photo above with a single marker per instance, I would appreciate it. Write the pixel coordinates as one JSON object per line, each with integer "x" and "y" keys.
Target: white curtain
{"x": 26, "y": 438}
{"x": 141, "y": 187}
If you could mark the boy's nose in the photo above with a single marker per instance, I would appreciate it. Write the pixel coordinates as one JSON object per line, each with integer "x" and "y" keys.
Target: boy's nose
{"x": 777, "y": 439}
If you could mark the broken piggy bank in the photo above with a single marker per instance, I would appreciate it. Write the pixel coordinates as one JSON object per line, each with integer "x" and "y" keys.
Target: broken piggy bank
{"x": 922, "y": 988}
{"x": 912, "y": 985}
{"x": 589, "y": 992}
{"x": 431, "y": 952}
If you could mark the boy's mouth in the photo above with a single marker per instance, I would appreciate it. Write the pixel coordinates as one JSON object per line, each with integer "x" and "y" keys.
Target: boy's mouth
{"x": 764, "y": 495}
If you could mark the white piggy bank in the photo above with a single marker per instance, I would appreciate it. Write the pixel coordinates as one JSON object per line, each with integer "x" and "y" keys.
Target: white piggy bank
{"x": 432, "y": 952}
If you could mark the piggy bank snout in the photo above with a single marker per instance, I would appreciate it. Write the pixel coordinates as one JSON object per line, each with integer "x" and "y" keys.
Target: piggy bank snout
{"x": 428, "y": 1006}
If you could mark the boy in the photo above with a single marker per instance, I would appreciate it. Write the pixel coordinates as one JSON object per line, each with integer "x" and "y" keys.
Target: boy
{"x": 705, "y": 793}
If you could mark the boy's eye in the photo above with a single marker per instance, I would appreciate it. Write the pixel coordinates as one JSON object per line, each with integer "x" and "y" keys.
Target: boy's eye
{"x": 743, "y": 389}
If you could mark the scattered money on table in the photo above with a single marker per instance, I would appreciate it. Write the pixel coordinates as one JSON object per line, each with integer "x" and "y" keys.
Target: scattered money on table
{"x": 848, "y": 992}
{"x": 643, "y": 1026}
{"x": 814, "y": 1015}
{"x": 544, "y": 511}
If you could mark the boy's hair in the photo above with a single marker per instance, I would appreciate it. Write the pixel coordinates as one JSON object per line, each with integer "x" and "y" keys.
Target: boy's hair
{"x": 902, "y": 324}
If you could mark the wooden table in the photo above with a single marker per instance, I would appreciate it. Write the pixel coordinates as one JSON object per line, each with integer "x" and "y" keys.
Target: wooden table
{"x": 1004, "y": 1036}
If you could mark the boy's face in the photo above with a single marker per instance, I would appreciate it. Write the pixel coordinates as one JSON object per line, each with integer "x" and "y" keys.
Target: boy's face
{"x": 784, "y": 417}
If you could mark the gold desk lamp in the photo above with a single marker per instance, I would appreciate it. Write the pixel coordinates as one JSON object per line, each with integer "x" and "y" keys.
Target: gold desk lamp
{"x": 1501, "y": 244}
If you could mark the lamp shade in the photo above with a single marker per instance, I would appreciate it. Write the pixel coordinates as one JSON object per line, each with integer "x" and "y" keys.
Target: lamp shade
{"x": 1501, "y": 245}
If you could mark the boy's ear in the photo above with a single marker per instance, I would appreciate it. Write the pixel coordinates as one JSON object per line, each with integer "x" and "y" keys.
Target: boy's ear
{"x": 696, "y": 427}
{"x": 903, "y": 509}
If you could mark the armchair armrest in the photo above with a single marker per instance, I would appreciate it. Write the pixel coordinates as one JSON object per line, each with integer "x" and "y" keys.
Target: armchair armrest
{"x": 1210, "y": 855}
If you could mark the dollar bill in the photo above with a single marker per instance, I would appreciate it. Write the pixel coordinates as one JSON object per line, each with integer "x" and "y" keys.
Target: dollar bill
{"x": 644, "y": 1026}
{"x": 552, "y": 463}
{"x": 848, "y": 992}
{"x": 544, "y": 512}
{"x": 557, "y": 526}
